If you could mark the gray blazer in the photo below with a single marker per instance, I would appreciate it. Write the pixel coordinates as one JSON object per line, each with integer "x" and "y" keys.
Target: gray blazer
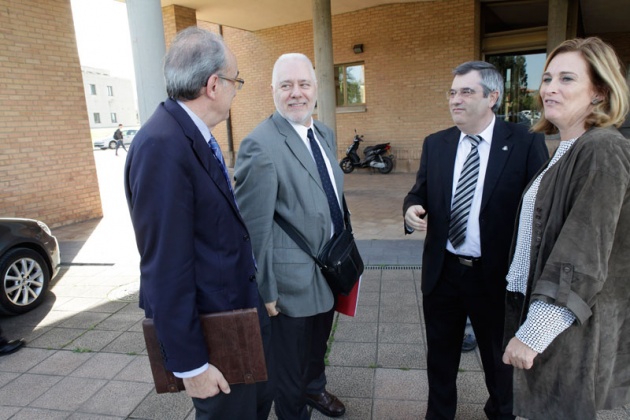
{"x": 275, "y": 172}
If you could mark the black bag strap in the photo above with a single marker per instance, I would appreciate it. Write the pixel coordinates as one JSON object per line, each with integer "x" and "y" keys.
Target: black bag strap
{"x": 346, "y": 214}
{"x": 293, "y": 234}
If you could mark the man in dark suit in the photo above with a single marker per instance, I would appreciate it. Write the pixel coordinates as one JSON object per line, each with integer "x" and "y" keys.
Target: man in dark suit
{"x": 276, "y": 173}
{"x": 466, "y": 196}
{"x": 196, "y": 256}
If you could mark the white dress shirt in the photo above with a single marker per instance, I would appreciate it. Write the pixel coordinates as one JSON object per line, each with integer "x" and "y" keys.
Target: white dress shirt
{"x": 472, "y": 244}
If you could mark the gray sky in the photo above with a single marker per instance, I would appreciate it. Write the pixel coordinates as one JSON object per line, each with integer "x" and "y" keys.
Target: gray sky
{"x": 103, "y": 40}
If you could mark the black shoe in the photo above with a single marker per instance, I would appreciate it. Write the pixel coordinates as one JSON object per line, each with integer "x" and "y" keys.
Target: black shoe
{"x": 11, "y": 347}
{"x": 326, "y": 403}
{"x": 469, "y": 344}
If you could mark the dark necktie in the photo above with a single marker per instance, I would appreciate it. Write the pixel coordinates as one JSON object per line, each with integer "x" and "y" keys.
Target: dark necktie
{"x": 216, "y": 151}
{"x": 333, "y": 204}
{"x": 464, "y": 193}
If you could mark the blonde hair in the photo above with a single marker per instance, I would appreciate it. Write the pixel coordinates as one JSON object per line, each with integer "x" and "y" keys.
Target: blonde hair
{"x": 605, "y": 72}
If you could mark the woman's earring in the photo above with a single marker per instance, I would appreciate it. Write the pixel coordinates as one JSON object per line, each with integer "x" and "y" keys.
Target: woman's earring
{"x": 595, "y": 101}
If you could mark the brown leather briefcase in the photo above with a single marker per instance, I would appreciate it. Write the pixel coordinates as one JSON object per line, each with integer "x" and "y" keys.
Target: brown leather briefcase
{"x": 234, "y": 347}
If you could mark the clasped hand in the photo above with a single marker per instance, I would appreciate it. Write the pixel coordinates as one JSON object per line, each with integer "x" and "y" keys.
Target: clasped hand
{"x": 207, "y": 384}
{"x": 414, "y": 218}
{"x": 519, "y": 354}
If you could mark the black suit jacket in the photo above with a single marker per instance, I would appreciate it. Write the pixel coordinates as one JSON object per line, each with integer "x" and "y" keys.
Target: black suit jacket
{"x": 196, "y": 254}
{"x": 515, "y": 156}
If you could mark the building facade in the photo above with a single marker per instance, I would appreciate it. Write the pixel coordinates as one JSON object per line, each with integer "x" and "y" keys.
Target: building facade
{"x": 110, "y": 100}
{"x": 47, "y": 169}
{"x": 392, "y": 63}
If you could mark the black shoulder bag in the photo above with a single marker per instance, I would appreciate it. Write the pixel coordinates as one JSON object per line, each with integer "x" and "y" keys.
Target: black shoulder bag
{"x": 339, "y": 260}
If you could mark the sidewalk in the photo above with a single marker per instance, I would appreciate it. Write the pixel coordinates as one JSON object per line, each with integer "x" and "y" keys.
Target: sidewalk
{"x": 85, "y": 356}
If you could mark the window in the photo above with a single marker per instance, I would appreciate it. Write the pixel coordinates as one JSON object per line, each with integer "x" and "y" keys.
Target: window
{"x": 93, "y": 89}
{"x": 110, "y": 91}
{"x": 515, "y": 41}
{"x": 350, "y": 84}
{"x": 113, "y": 117}
{"x": 522, "y": 74}
{"x": 97, "y": 118}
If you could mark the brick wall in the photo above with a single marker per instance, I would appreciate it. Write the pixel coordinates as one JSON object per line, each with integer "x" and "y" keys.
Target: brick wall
{"x": 176, "y": 18}
{"x": 47, "y": 168}
{"x": 409, "y": 53}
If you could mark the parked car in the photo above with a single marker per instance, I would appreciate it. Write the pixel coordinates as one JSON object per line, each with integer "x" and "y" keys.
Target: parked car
{"x": 109, "y": 142}
{"x": 29, "y": 260}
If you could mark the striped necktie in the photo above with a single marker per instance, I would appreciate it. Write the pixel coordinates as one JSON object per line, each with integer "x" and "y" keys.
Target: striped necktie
{"x": 216, "y": 151}
{"x": 464, "y": 194}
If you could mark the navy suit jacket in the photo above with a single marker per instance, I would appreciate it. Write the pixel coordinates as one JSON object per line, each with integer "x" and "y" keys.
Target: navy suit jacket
{"x": 515, "y": 157}
{"x": 196, "y": 255}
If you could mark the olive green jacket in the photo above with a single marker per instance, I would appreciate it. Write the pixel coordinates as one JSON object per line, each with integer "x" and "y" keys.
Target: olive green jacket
{"x": 580, "y": 259}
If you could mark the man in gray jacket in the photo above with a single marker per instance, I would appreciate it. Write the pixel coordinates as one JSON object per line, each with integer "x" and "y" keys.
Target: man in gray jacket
{"x": 287, "y": 166}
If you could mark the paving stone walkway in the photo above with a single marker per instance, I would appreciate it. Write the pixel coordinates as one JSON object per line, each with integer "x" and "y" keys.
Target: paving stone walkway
{"x": 85, "y": 358}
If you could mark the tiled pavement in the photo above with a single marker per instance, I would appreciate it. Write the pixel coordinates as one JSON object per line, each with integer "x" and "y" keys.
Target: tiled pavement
{"x": 85, "y": 355}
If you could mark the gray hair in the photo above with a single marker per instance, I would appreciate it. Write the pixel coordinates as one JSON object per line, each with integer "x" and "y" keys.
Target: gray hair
{"x": 491, "y": 79}
{"x": 194, "y": 55}
{"x": 290, "y": 57}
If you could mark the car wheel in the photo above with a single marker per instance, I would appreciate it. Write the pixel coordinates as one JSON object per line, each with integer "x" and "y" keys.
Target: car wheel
{"x": 25, "y": 279}
{"x": 112, "y": 144}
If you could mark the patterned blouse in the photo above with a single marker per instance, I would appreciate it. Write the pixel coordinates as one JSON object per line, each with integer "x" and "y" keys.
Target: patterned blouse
{"x": 545, "y": 321}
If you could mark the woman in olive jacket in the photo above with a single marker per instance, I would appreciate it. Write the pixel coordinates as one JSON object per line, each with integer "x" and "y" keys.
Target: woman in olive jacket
{"x": 568, "y": 301}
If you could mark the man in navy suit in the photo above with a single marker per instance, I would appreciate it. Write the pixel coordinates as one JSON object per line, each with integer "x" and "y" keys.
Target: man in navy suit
{"x": 465, "y": 259}
{"x": 196, "y": 254}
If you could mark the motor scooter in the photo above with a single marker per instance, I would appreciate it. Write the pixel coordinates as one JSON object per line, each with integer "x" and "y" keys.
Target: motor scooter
{"x": 374, "y": 157}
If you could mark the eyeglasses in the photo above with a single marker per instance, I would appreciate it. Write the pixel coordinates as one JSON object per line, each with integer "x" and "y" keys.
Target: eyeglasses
{"x": 463, "y": 92}
{"x": 238, "y": 82}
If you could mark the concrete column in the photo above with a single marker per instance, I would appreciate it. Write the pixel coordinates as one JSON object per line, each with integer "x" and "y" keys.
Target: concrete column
{"x": 573, "y": 17}
{"x": 557, "y": 23}
{"x": 147, "y": 45}
{"x": 324, "y": 64}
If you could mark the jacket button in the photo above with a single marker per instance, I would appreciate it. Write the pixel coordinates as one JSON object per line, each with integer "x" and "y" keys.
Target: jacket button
{"x": 252, "y": 278}
{"x": 567, "y": 269}
{"x": 246, "y": 237}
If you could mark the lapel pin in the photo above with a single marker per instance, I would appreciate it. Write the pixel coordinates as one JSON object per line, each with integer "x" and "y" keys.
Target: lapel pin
{"x": 504, "y": 148}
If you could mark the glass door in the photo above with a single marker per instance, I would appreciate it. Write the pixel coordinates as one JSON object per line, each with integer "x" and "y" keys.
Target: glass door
{"x": 522, "y": 74}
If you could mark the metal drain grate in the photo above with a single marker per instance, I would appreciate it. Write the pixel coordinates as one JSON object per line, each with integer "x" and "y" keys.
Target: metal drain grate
{"x": 393, "y": 267}
{"x": 78, "y": 264}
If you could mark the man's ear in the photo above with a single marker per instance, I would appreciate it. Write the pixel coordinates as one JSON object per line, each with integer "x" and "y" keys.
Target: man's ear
{"x": 494, "y": 97}
{"x": 210, "y": 89}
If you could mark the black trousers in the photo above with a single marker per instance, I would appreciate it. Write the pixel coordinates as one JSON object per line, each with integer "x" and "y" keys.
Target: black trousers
{"x": 299, "y": 346}
{"x": 461, "y": 292}
{"x": 119, "y": 143}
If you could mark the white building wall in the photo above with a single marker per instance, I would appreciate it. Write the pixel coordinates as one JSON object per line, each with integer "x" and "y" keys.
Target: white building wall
{"x": 119, "y": 101}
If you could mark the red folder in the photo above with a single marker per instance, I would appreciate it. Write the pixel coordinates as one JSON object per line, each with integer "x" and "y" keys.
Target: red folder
{"x": 347, "y": 305}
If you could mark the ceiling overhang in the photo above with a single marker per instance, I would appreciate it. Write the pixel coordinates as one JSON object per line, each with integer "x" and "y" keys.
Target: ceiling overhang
{"x": 254, "y": 15}
{"x": 598, "y": 16}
